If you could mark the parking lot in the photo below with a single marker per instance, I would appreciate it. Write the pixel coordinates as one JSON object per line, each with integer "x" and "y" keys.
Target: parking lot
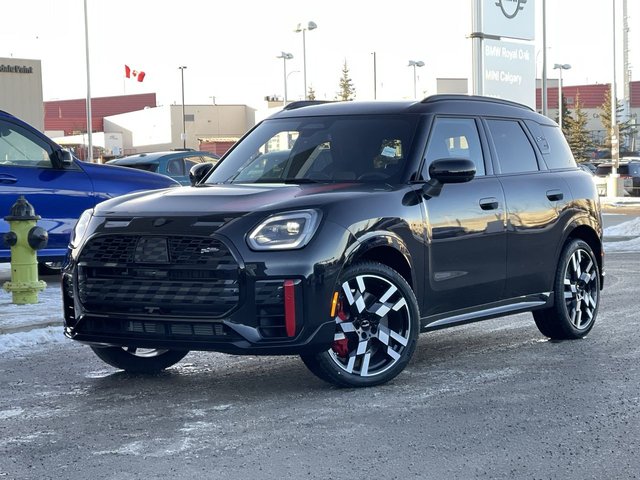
{"x": 488, "y": 400}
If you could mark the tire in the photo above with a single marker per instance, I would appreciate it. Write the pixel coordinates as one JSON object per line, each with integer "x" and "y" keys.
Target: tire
{"x": 576, "y": 295}
{"x": 49, "y": 268}
{"x": 377, "y": 326}
{"x": 139, "y": 360}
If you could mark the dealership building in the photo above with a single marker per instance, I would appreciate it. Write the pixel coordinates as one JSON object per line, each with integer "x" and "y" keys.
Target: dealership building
{"x": 21, "y": 90}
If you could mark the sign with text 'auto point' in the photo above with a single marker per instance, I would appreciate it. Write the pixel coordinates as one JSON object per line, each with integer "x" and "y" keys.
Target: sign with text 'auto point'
{"x": 504, "y": 69}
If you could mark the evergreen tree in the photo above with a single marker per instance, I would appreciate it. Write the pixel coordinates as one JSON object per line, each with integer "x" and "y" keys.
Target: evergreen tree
{"x": 625, "y": 129}
{"x": 311, "y": 95}
{"x": 575, "y": 130}
{"x": 346, "y": 89}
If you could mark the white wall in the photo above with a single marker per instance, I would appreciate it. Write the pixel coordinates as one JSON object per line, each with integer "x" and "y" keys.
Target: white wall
{"x": 21, "y": 90}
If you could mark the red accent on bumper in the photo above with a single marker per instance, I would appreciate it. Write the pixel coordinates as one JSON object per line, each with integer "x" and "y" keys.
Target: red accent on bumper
{"x": 290, "y": 308}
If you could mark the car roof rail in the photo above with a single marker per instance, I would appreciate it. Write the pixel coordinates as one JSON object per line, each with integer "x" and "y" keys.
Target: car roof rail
{"x": 473, "y": 98}
{"x": 304, "y": 103}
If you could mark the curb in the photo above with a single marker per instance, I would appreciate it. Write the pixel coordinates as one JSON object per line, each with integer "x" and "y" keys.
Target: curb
{"x": 29, "y": 327}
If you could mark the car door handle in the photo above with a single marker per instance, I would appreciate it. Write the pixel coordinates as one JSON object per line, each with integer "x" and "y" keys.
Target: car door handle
{"x": 4, "y": 178}
{"x": 555, "y": 195}
{"x": 489, "y": 203}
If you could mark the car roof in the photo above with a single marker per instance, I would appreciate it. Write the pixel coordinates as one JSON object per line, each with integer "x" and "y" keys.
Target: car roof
{"x": 446, "y": 104}
{"x": 153, "y": 157}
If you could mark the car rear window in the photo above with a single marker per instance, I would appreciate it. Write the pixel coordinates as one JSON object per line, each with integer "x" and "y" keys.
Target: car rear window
{"x": 147, "y": 167}
{"x": 603, "y": 170}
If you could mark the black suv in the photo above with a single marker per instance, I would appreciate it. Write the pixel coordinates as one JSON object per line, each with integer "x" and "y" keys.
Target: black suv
{"x": 338, "y": 232}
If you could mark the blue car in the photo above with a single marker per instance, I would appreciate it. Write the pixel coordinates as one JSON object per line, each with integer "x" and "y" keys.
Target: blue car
{"x": 174, "y": 164}
{"x": 59, "y": 186}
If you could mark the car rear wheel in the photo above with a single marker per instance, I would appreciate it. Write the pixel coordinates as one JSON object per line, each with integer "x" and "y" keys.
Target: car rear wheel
{"x": 377, "y": 323}
{"x": 576, "y": 295}
{"x": 139, "y": 360}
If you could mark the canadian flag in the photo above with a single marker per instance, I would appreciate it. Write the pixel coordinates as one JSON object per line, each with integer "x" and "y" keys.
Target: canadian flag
{"x": 129, "y": 73}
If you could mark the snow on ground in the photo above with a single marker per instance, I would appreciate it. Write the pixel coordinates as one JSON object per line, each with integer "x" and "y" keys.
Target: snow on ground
{"x": 38, "y": 336}
{"x": 47, "y": 312}
{"x": 626, "y": 229}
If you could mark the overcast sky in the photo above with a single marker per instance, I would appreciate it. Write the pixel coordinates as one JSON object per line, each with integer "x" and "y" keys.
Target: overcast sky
{"x": 230, "y": 48}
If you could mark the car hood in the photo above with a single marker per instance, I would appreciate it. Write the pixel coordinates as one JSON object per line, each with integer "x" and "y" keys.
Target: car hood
{"x": 224, "y": 199}
{"x": 124, "y": 179}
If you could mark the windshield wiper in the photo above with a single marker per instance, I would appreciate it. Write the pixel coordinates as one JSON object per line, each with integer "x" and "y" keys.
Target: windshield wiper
{"x": 300, "y": 180}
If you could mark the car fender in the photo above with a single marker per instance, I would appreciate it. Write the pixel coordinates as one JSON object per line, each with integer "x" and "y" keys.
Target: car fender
{"x": 376, "y": 239}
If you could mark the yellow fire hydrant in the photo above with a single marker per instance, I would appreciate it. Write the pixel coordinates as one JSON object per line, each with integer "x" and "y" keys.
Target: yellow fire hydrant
{"x": 25, "y": 239}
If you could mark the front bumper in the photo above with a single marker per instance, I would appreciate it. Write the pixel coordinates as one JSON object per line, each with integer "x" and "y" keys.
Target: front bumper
{"x": 232, "y": 305}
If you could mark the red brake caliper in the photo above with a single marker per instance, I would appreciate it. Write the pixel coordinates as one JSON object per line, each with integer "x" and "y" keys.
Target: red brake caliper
{"x": 341, "y": 347}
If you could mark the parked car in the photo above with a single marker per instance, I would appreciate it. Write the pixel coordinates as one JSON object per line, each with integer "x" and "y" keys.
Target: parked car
{"x": 588, "y": 167}
{"x": 58, "y": 186}
{"x": 174, "y": 164}
{"x": 629, "y": 171}
{"x": 338, "y": 232}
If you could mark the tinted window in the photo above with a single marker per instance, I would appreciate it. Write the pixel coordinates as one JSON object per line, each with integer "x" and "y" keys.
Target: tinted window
{"x": 604, "y": 170}
{"x": 515, "y": 153}
{"x": 455, "y": 138}
{"x": 20, "y": 148}
{"x": 175, "y": 166}
{"x": 559, "y": 155}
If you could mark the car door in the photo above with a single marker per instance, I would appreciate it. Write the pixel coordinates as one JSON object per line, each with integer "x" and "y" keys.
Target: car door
{"x": 536, "y": 198}
{"x": 59, "y": 196}
{"x": 466, "y": 223}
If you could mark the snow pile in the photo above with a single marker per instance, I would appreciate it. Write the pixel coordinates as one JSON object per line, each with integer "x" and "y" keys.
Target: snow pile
{"x": 39, "y": 336}
{"x": 632, "y": 245}
{"x": 626, "y": 229}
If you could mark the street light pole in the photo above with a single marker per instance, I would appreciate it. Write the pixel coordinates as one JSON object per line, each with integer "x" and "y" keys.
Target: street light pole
{"x": 285, "y": 56}
{"x": 414, "y": 64}
{"x": 560, "y": 66}
{"x": 375, "y": 80}
{"x": 184, "y": 125}
{"x": 89, "y": 157}
{"x": 310, "y": 26}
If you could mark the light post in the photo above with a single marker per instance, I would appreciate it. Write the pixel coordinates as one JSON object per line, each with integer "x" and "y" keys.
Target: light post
{"x": 375, "y": 80}
{"x": 184, "y": 125}
{"x": 285, "y": 56}
{"x": 310, "y": 26}
{"x": 560, "y": 66}
{"x": 414, "y": 64}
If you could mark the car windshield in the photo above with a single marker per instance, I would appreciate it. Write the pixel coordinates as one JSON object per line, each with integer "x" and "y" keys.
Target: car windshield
{"x": 321, "y": 149}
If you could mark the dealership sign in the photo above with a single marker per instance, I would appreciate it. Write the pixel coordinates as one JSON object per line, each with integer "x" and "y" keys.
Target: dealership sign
{"x": 504, "y": 69}
{"x": 508, "y": 18}
{"x": 509, "y": 71}
{"x": 15, "y": 69}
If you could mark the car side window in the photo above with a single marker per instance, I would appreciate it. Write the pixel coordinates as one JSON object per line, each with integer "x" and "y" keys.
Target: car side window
{"x": 515, "y": 152}
{"x": 175, "y": 166}
{"x": 20, "y": 148}
{"x": 454, "y": 138}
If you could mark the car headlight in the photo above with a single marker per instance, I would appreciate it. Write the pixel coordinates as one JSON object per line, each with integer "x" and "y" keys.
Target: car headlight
{"x": 81, "y": 228}
{"x": 285, "y": 231}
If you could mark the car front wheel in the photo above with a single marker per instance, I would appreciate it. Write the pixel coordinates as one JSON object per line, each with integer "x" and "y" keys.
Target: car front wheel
{"x": 576, "y": 295}
{"x": 139, "y": 360}
{"x": 377, "y": 323}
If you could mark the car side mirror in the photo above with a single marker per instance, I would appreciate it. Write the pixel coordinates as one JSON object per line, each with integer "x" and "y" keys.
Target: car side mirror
{"x": 198, "y": 172}
{"x": 448, "y": 170}
{"x": 61, "y": 158}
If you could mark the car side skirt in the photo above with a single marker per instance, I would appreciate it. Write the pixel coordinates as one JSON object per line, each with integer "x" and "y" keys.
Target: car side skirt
{"x": 485, "y": 312}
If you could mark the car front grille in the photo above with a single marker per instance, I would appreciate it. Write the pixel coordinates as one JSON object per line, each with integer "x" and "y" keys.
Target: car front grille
{"x": 158, "y": 276}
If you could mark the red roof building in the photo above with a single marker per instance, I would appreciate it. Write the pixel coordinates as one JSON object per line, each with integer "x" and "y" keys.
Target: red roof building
{"x": 591, "y": 96}
{"x": 70, "y": 116}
